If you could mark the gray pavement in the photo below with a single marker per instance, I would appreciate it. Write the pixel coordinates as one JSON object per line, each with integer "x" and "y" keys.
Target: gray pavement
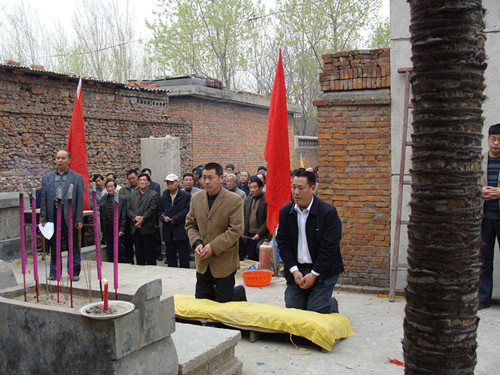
{"x": 377, "y": 322}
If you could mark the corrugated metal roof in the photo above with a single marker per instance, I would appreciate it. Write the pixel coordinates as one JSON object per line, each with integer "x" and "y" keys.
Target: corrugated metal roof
{"x": 73, "y": 77}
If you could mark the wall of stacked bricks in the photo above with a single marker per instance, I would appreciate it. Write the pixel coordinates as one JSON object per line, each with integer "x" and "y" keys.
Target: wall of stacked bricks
{"x": 36, "y": 115}
{"x": 354, "y": 146}
{"x": 227, "y": 132}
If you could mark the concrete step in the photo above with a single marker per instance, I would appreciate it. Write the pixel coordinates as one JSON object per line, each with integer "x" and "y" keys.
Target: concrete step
{"x": 206, "y": 350}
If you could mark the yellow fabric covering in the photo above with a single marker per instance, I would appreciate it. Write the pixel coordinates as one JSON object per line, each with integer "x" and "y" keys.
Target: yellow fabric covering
{"x": 321, "y": 329}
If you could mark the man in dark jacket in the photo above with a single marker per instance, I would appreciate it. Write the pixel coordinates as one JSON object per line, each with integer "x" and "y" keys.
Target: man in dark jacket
{"x": 156, "y": 187}
{"x": 174, "y": 206}
{"x": 308, "y": 237}
{"x": 142, "y": 209}
{"x": 107, "y": 212}
{"x": 255, "y": 220}
{"x": 61, "y": 178}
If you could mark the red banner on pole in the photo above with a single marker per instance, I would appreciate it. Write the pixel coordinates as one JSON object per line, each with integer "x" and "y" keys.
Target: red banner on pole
{"x": 277, "y": 151}
{"x": 76, "y": 144}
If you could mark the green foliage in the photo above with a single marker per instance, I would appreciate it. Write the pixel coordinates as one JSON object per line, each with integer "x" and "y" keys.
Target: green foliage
{"x": 204, "y": 37}
{"x": 308, "y": 29}
{"x": 380, "y": 37}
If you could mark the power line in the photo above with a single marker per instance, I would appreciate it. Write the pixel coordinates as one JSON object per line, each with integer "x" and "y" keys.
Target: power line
{"x": 247, "y": 19}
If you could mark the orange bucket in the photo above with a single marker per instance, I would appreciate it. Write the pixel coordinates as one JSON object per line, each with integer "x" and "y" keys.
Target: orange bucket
{"x": 257, "y": 277}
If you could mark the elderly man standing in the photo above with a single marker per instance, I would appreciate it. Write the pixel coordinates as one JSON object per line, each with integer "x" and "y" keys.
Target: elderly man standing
{"x": 62, "y": 178}
{"x": 174, "y": 206}
{"x": 308, "y": 237}
{"x": 142, "y": 211}
{"x": 214, "y": 224}
{"x": 232, "y": 185}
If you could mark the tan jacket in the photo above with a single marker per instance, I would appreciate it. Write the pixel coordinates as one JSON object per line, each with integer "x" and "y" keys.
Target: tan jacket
{"x": 221, "y": 227}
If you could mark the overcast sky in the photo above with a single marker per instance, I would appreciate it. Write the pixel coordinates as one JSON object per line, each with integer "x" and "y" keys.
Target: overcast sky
{"x": 52, "y": 11}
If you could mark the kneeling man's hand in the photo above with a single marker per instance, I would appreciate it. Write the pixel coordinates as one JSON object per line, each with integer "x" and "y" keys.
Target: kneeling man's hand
{"x": 308, "y": 281}
{"x": 297, "y": 276}
{"x": 206, "y": 252}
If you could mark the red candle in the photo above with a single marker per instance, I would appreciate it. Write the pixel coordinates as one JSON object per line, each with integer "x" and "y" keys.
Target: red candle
{"x": 106, "y": 304}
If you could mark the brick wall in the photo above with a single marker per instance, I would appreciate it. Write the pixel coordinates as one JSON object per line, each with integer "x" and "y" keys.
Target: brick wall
{"x": 309, "y": 157}
{"x": 354, "y": 146}
{"x": 226, "y": 132}
{"x": 36, "y": 110}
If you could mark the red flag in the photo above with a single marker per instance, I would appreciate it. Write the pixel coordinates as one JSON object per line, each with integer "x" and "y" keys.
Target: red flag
{"x": 76, "y": 145}
{"x": 277, "y": 151}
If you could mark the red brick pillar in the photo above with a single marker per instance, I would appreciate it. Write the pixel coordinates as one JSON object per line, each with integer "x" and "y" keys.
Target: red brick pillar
{"x": 354, "y": 157}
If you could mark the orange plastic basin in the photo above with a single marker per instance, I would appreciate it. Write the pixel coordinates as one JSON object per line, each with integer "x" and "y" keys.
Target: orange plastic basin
{"x": 257, "y": 277}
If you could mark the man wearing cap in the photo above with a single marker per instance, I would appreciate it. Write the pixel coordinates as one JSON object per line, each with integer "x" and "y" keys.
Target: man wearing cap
{"x": 174, "y": 206}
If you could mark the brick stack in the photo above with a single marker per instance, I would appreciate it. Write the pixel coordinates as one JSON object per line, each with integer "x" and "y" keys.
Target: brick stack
{"x": 354, "y": 152}
{"x": 356, "y": 70}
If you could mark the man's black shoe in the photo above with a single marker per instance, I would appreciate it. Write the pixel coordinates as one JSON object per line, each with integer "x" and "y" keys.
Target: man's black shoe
{"x": 336, "y": 305}
{"x": 483, "y": 306}
{"x": 239, "y": 293}
{"x": 159, "y": 257}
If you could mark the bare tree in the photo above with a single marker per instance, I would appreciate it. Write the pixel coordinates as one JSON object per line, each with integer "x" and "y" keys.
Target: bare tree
{"x": 22, "y": 35}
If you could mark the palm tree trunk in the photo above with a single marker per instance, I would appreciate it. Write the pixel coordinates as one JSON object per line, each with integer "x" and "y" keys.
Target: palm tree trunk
{"x": 446, "y": 207}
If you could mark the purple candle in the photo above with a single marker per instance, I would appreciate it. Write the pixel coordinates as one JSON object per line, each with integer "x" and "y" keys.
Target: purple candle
{"x": 70, "y": 231}
{"x": 97, "y": 240}
{"x": 33, "y": 239}
{"x": 23, "y": 239}
{"x": 115, "y": 240}
{"x": 58, "y": 235}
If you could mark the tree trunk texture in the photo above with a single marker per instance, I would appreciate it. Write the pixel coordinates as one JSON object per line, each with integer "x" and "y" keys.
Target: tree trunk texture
{"x": 446, "y": 207}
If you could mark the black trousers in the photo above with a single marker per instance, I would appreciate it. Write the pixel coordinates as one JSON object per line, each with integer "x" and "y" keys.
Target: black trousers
{"x": 128, "y": 241}
{"x": 490, "y": 232}
{"x": 174, "y": 248}
{"x": 65, "y": 246}
{"x": 110, "y": 241}
{"x": 144, "y": 248}
{"x": 213, "y": 288}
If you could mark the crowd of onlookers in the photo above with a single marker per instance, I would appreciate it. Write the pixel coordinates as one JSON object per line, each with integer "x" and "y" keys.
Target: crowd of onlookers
{"x": 143, "y": 227}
